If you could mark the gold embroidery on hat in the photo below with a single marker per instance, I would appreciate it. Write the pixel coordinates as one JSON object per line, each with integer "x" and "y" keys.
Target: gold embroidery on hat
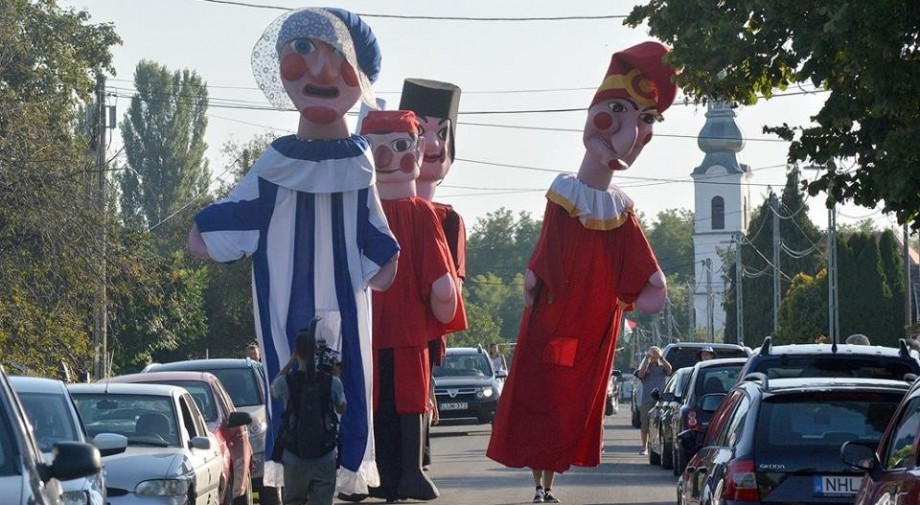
{"x": 636, "y": 84}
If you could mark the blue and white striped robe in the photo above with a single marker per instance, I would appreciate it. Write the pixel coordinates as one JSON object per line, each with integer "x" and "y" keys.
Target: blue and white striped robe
{"x": 309, "y": 215}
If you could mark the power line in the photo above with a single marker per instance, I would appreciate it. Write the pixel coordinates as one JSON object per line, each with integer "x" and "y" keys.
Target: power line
{"x": 429, "y": 18}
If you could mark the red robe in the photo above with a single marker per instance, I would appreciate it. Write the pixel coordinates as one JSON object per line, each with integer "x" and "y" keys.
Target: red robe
{"x": 551, "y": 409}
{"x": 455, "y": 233}
{"x": 402, "y": 315}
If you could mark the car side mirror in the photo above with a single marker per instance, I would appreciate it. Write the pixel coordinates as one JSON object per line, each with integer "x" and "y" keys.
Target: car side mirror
{"x": 239, "y": 419}
{"x": 711, "y": 402}
{"x": 655, "y": 395}
{"x": 861, "y": 457}
{"x": 200, "y": 443}
{"x": 110, "y": 443}
{"x": 690, "y": 441}
{"x": 72, "y": 460}
{"x": 668, "y": 397}
{"x": 501, "y": 374}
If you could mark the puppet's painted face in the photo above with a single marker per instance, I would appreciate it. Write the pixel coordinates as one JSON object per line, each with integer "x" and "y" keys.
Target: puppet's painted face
{"x": 436, "y": 162}
{"x": 617, "y": 130}
{"x": 397, "y": 156}
{"x": 319, "y": 80}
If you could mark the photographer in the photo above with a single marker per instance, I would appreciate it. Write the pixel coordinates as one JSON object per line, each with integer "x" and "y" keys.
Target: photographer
{"x": 653, "y": 373}
{"x": 313, "y": 397}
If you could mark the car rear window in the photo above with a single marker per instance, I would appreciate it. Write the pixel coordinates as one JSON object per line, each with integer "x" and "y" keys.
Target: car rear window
{"x": 820, "y": 422}
{"x": 680, "y": 357}
{"x": 868, "y": 367}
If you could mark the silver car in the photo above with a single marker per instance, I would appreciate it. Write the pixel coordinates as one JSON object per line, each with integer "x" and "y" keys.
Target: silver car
{"x": 25, "y": 478}
{"x": 171, "y": 458}
{"x": 54, "y": 418}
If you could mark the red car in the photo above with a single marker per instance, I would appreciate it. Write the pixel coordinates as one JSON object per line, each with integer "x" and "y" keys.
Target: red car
{"x": 227, "y": 424}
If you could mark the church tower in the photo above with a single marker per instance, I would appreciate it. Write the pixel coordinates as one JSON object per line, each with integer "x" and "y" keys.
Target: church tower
{"x": 721, "y": 211}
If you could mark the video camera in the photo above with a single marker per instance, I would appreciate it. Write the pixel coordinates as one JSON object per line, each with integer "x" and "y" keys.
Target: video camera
{"x": 323, "y": 359}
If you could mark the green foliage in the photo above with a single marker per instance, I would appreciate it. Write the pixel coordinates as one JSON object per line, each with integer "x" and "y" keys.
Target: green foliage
{"x": 163, "y": 133}
{"x": 803, "y": 315}
{"x": 671, "y": 237}
{"x": 482, "y": 329}
{"x": 49, "y": 58}
{"x": 864, "y": 53}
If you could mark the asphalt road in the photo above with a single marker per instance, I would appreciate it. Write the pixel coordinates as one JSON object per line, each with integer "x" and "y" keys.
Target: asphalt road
{"x": 465, "y": 476}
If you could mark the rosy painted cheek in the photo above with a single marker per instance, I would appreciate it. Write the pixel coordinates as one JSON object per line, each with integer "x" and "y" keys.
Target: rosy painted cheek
{"x": 603, "y": 121}
{"x": 293, "y": 67}
{"x": 348, "y": 74}
{"x": 383, "y": 157}
{"x": 407, "y": 163}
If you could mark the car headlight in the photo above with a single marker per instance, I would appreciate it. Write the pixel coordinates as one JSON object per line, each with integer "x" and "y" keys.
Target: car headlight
{"x": 258, "y": 428}
{"x": 162, "y": 487}
{"x": 485, "y": 393}
{"x": 75, "y": 497}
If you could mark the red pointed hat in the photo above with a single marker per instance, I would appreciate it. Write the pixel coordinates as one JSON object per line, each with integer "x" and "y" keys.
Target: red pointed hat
{"x": 640, "y": 74}
{"x": 389, "y": 121}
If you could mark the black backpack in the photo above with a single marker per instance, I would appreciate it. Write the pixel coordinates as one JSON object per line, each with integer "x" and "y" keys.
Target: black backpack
{"x": 310, "y": 427}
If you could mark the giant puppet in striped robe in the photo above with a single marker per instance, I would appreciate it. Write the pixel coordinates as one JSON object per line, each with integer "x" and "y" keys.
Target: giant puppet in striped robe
{"x": 309, "y": 216}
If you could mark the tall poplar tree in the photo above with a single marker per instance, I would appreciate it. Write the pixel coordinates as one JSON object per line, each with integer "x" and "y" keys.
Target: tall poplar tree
{"x": 163, "y": 133}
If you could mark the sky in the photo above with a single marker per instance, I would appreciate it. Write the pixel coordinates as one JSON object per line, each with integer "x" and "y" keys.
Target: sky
{"x": 510, "y": 144}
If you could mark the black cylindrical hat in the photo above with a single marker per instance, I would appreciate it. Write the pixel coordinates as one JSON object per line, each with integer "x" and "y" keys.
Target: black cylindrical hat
{"x": 432, "y": 99}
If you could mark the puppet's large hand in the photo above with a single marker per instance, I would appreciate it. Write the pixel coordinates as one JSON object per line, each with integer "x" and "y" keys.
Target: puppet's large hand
{"x": 444, "y": 298}
{"x": 196, "y": 244}
{"x": 653, "y": 295}
{"x": 532, "y": 285}
{"x": 384, "y": 277}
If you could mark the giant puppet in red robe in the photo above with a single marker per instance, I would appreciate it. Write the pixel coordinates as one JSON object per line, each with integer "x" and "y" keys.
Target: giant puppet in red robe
{"x": 425, "y": 293}
{"x": 591, "y": 263}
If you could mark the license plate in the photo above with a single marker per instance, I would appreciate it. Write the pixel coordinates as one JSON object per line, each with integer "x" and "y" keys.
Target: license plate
{"x": 836, "y": 485}
{"x": 454, "y": 406}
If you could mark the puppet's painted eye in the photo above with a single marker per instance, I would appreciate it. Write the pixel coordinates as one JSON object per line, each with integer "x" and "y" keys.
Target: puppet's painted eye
{"x": 421, "y": 130}
{"x": 650, "y": 118}
{"x": 442, "y": 133}
{"x": 401, "y": 145}
{"x": 302, "y": 46}
{"x": 616, "y": 107}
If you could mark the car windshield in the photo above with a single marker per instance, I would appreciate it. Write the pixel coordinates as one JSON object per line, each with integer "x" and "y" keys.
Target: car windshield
{"x": 144, "y": 419}
{"x": 8, "y": 448}
{"x": 457, "y": 365}
{"x": 50, "y": 417}
{"x": 716, "y": 379}
{"x": 241, "y": 385}
{"x": 680, "y": 357}
{"x": 820, "y": 421}
{"x": 868, "y": 367}
{"x": 201, "y": 392}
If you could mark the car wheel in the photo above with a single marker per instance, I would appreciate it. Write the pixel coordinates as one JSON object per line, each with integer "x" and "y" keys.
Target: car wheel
{"x": 680, "y": 461}
{"x": 667, "y": 462}
{"x": 654, "y": 458}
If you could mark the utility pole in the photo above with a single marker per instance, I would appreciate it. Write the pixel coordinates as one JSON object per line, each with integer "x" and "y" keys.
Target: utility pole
{"x": 739, "y": 300}
{"x": 100, "y": 318}
{"x": 774, "y": 206}
{"x": 691, "y": 312}
{"x": 833, "y": 316}
{"x": 907, "y": 291}
{"x": 710, "y": 330}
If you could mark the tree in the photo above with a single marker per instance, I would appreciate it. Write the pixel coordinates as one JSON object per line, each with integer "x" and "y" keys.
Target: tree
{"x": 866, "y": 54}
{"x": 671, "y": 237}
{"x": 803, "y": 315}
{"x": 501, "y": 244}
{"x": 49, "y": 59}
{"x": 163, "y": 133}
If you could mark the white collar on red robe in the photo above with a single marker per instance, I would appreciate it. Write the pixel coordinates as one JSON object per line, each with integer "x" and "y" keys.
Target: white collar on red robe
{"x": 596, "y": 209}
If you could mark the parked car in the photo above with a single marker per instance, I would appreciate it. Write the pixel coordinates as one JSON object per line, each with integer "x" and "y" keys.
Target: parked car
{"x": 891, "y": 469}
{"x": 466, "y": 386}
{"x": 171, "y": 455}
{"x": 54, "y": 418}
{"x": 228, "y": 425}
{"x": 244, "y": 380}
{"x": 666, "y": 400}
{"x": 827, "y": 360}
{"x": 613, "y": 393}
{"x": 778, "y": 440}
{"x": 26, "y": 477}
{"x": 681, "y": 355}
{"x": 706, "y": 377}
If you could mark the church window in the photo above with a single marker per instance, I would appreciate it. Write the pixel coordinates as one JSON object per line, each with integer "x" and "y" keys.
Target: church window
{"x": 718, "y": 213}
